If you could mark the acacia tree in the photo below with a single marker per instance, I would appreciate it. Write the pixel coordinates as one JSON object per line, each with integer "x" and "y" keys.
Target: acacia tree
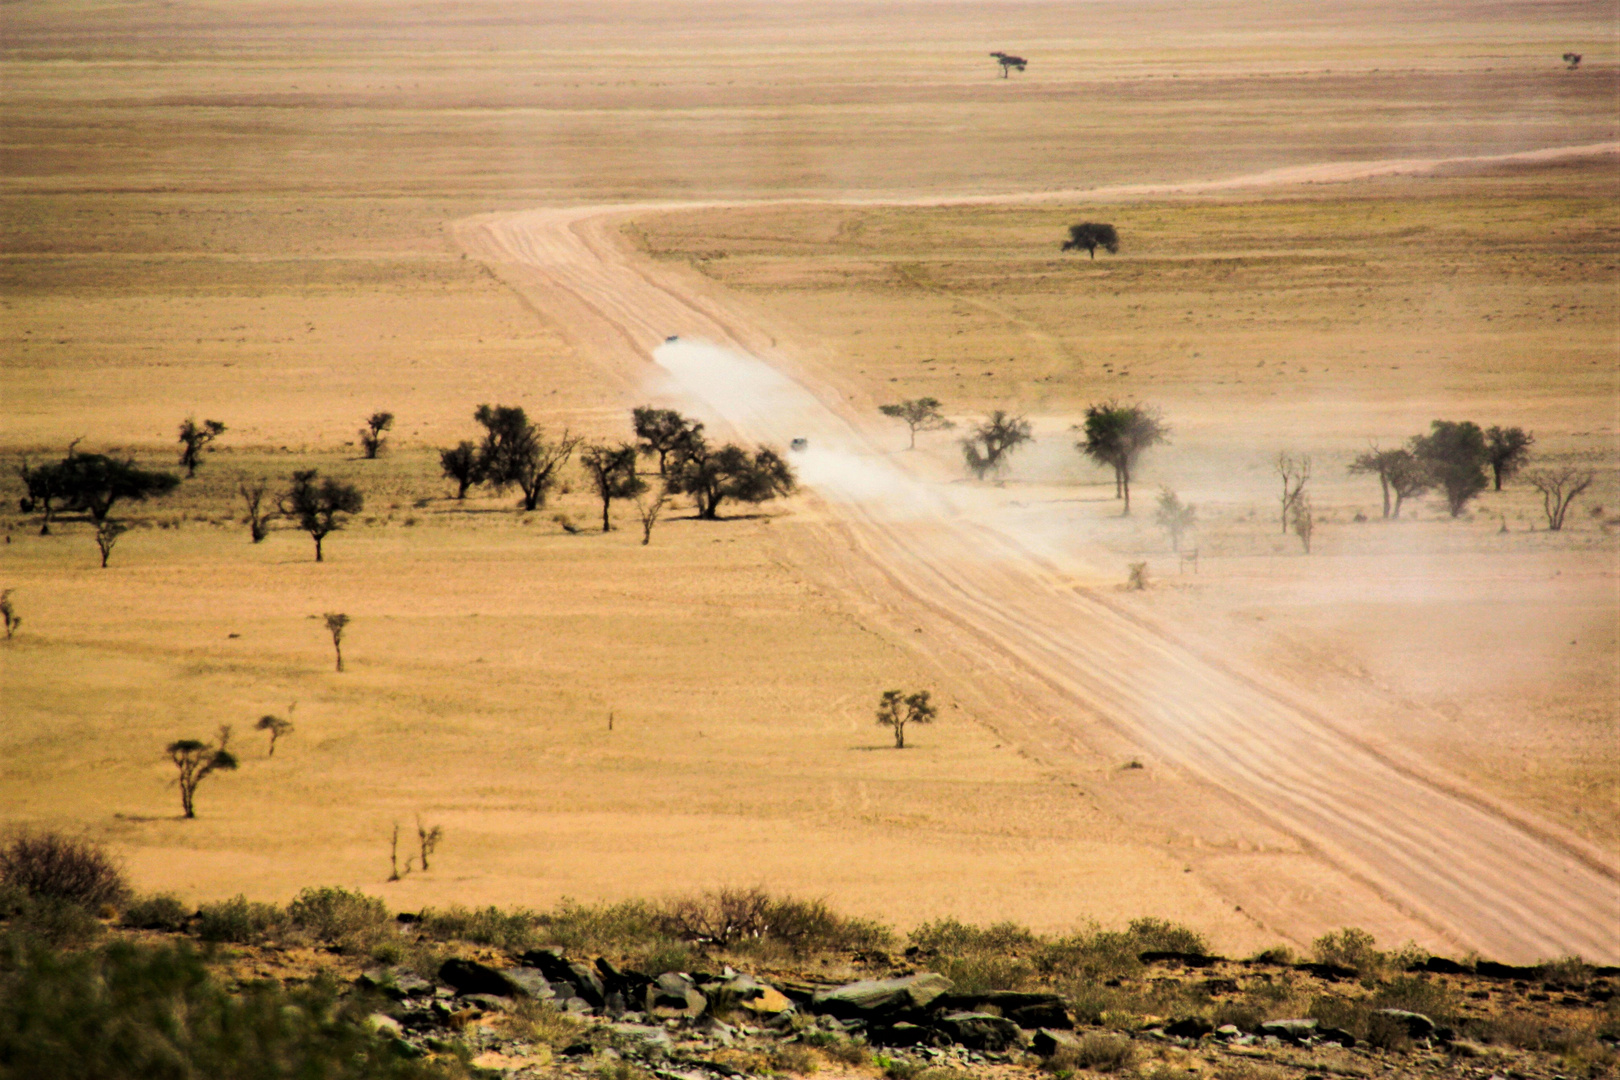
{"x": 1384, "y": 464}
{"x": 1088, "y": 236}
{"x": 258, "y": 516}
{"x": 335, "y": 622}
{"x": 45, "y": 485}
{"x": 919, "y": 414}
{"x": 371, "y": 436}
{"x": 712, "y": 475}
{"x": 1295, "y": 473}
{"x": 648, "y": 512}
{"x": 1455, "y": 454}
{"x": 277, "y": 727}
{"x": 1174, "y": 517}
{"x": 1558, "y": 489}
{"x": 194, "y": 440}
{"x": 1117, "y": 435}
{"x": 612, "y": 472}
{"x": 107, "y": 534}
{"x": 989, "y": 442}
{"x": 316, "y": 504}
{"x": 1008, "y": 62}
{"x": 896, "y": 709}
{"x": 196, "y": 761}
{"x": 664, "y": 432}
{"x": 1508, "y": 450}
{"x": 514, "y": 452}
{"x": 461, "y": 464}
{"x": 95, "y": 482}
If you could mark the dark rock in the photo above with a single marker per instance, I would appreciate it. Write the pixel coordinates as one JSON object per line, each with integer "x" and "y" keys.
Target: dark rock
{"x": 398, "y": 985}
{"x": 1290, "y": 1030}
{"x": 900, "y": 1034}
{"x": 575, "y": 1005}
{"x": 1024, "y": 1009}
{"x": 588, "y": 983}
{"x": 653, "y": 1041}
{"x": 628, "y": 983}
{"x": 1492, "y": 970}
{"x": 1166, "y": 956}
{"x": 873, "y": 998}
{"x": 1048, "y": 1042}
{"x": 716, "y": 1030}
{"x": 615, "y": 1005}
{"x": 1439, "y": 965}
{"x": 1220, "y": 986}
{"x": 979, "y": 1031}
{"x": 491, "y": 1002}
{"x": 471, "y": 977}
{"x": 552, "y": 964}
{"x": 1417, "y": 1025}
{"x": 1338, "y": 1035}
{"x": 1190, "y": 1027}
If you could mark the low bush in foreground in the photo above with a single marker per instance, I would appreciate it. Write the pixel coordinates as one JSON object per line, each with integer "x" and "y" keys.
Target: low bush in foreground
{"x": 56, "y": 867}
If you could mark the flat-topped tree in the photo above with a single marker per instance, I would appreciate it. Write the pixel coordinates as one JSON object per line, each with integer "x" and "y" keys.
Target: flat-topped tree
{"x": 194, "y": 440}
{"x": 1088, "y": 236}
{"x": 514, "y": 451}
{"x": 1008, "y": 62}
{"x": 664, "y": 432}
{"x": 713, "y": 474}
{"x": 196, "y": 761}
{"x": 612, "y": 472}
{"x": 95, "y": 482}
{"x": 918, "y": 414}
{"x": 319, "y": 506}
{"x": 896, "y": 709}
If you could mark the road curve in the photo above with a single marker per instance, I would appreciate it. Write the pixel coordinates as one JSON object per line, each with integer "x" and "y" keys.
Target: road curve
{"x": 1480, "y": 875}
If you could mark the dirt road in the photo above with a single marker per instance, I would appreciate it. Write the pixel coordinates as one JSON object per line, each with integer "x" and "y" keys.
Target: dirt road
{"x": 1483, "y": 876}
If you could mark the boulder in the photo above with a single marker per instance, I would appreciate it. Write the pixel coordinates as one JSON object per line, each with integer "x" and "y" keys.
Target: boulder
{"x": 588, "y": 984}
{"x": 716, "y": 1030}
{"x": 873, "y": 998}
{"x": 1024, "y": 1009}
{"x": 900, "y": 1034}
{"x": 491, "y": 1002}
{"x": 1338, "y": 1035}
{"x": 1417, "y": 1025}
{"x": 552, "y": 964}
{"x": 1189, "y": 1027}
{"x": 383, "y": 1024}
{"x": 395, "y": 984}
{"x": 1289, "y": 1030}
{"x": 1048, "y": 1042}
{"x": 1439, "y": 965}
{"x": 979, "y": 1031}
{"x": 674, "y": 994}
{"x": 471, "y": 977}
{"x": 532, "y": 980}
{"x": 652, "y": 1041}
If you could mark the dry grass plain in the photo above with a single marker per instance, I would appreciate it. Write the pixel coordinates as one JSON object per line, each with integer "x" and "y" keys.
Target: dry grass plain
{"x": 242, "y": 212}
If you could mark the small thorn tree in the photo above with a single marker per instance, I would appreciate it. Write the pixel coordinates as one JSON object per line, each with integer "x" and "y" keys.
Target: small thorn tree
{"x": 1295, "y": 473}
{"x": 194, "y": 440}
{"x": 1088, "y": 236}
{"x": 9, "y": 611}
{"x": 987, "y": 445}
{"x": 896, "y": 709}
{"x": 316, "y": 504}
{"x": 460, "y": 463}
{"x": 1558, "y": 489}
{"x": 1302, "y": 520}
{"x": 515, "y": 452}
{"x": 277, "y": 727}
{"x": 371, "y": 436}
{"x": 196, "y": 761}
{"x": 1117, "y": 436}
{"x": 107, "y": 534}
{"x": 918, "y": 414}
{"x": 427, "y": 840}
{"x": 1508, "y": 450}
{"x": 258, "y": 515}
{"x": 1174, "y": 516}
{"x": 612, "y": 472}
{"x": 335, "y": 622}
{"x": 648, "y": 512}
{"x": 664, "y": 432}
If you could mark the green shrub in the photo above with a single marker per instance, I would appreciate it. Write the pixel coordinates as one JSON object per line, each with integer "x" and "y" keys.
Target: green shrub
{"x": 239, "y": 920}
{"x": 1097, "y": 1052}
{"x": 1159, "y": 935}
{"x": 601, "y": 927}
{"x": 514, "y": 930}
{"x": 128, "y": 1011}
{"x": 1351, "y": 948}
{"x": 52, "y": 920}
{"x": 748, "y": 919}
{"x": 1281, "y": 955}
{"x": 1417, "y": 994}
{"x": 951, "y": 936}
{"x": 58, "y": 867}
{"x": 338, "y": 916}
{"x": 160, "y": 912}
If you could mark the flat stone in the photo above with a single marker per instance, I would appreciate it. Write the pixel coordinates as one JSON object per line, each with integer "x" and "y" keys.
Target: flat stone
{"x": 1189, "y": 1027}
{"x": 471, "y": 977}
{"x": 879, "y": 997}
{"x": 979, "y": 1031}
{"x": 1417, "y": 1025}
{"x": 1293, "y": 1030}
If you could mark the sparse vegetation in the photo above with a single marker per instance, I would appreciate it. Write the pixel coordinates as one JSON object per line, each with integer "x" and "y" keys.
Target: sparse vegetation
{"x": 107, "y": 534}
{"x": 1302, "y": 519}
{"x": 918, "y": 414}
{"x": 53, "y": 866}
{"x": 612, "y": 473}
{"x": 277, "y": 727}
{"x": 1399, "y": 474}
{"x": 461, "y": 463}
{"x": 8, "y": 612}
{"x": 1088, "y": 236}
{"x": 1456, "y": 455}
{"x": 648, "y": 511}
{"x": 336, "y": 621}
{"x": 1175, "y": 517}
{"x": 1508, "y": 451}
{"x": 258, "y": 515}
{"x": 194, "y": 440}
{"x": 1295, "y": 473}
{"x": 1136, "y": 576}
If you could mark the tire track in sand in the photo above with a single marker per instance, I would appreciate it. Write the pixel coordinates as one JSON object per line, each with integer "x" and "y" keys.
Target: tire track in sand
{"x": 1483, "y": 878}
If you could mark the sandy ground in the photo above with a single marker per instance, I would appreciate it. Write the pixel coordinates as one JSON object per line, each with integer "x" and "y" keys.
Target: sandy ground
{"x": 246, "y": 213}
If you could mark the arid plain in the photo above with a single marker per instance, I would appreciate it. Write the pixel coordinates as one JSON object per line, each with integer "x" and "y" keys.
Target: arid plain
{"x": 270, "y": 215}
